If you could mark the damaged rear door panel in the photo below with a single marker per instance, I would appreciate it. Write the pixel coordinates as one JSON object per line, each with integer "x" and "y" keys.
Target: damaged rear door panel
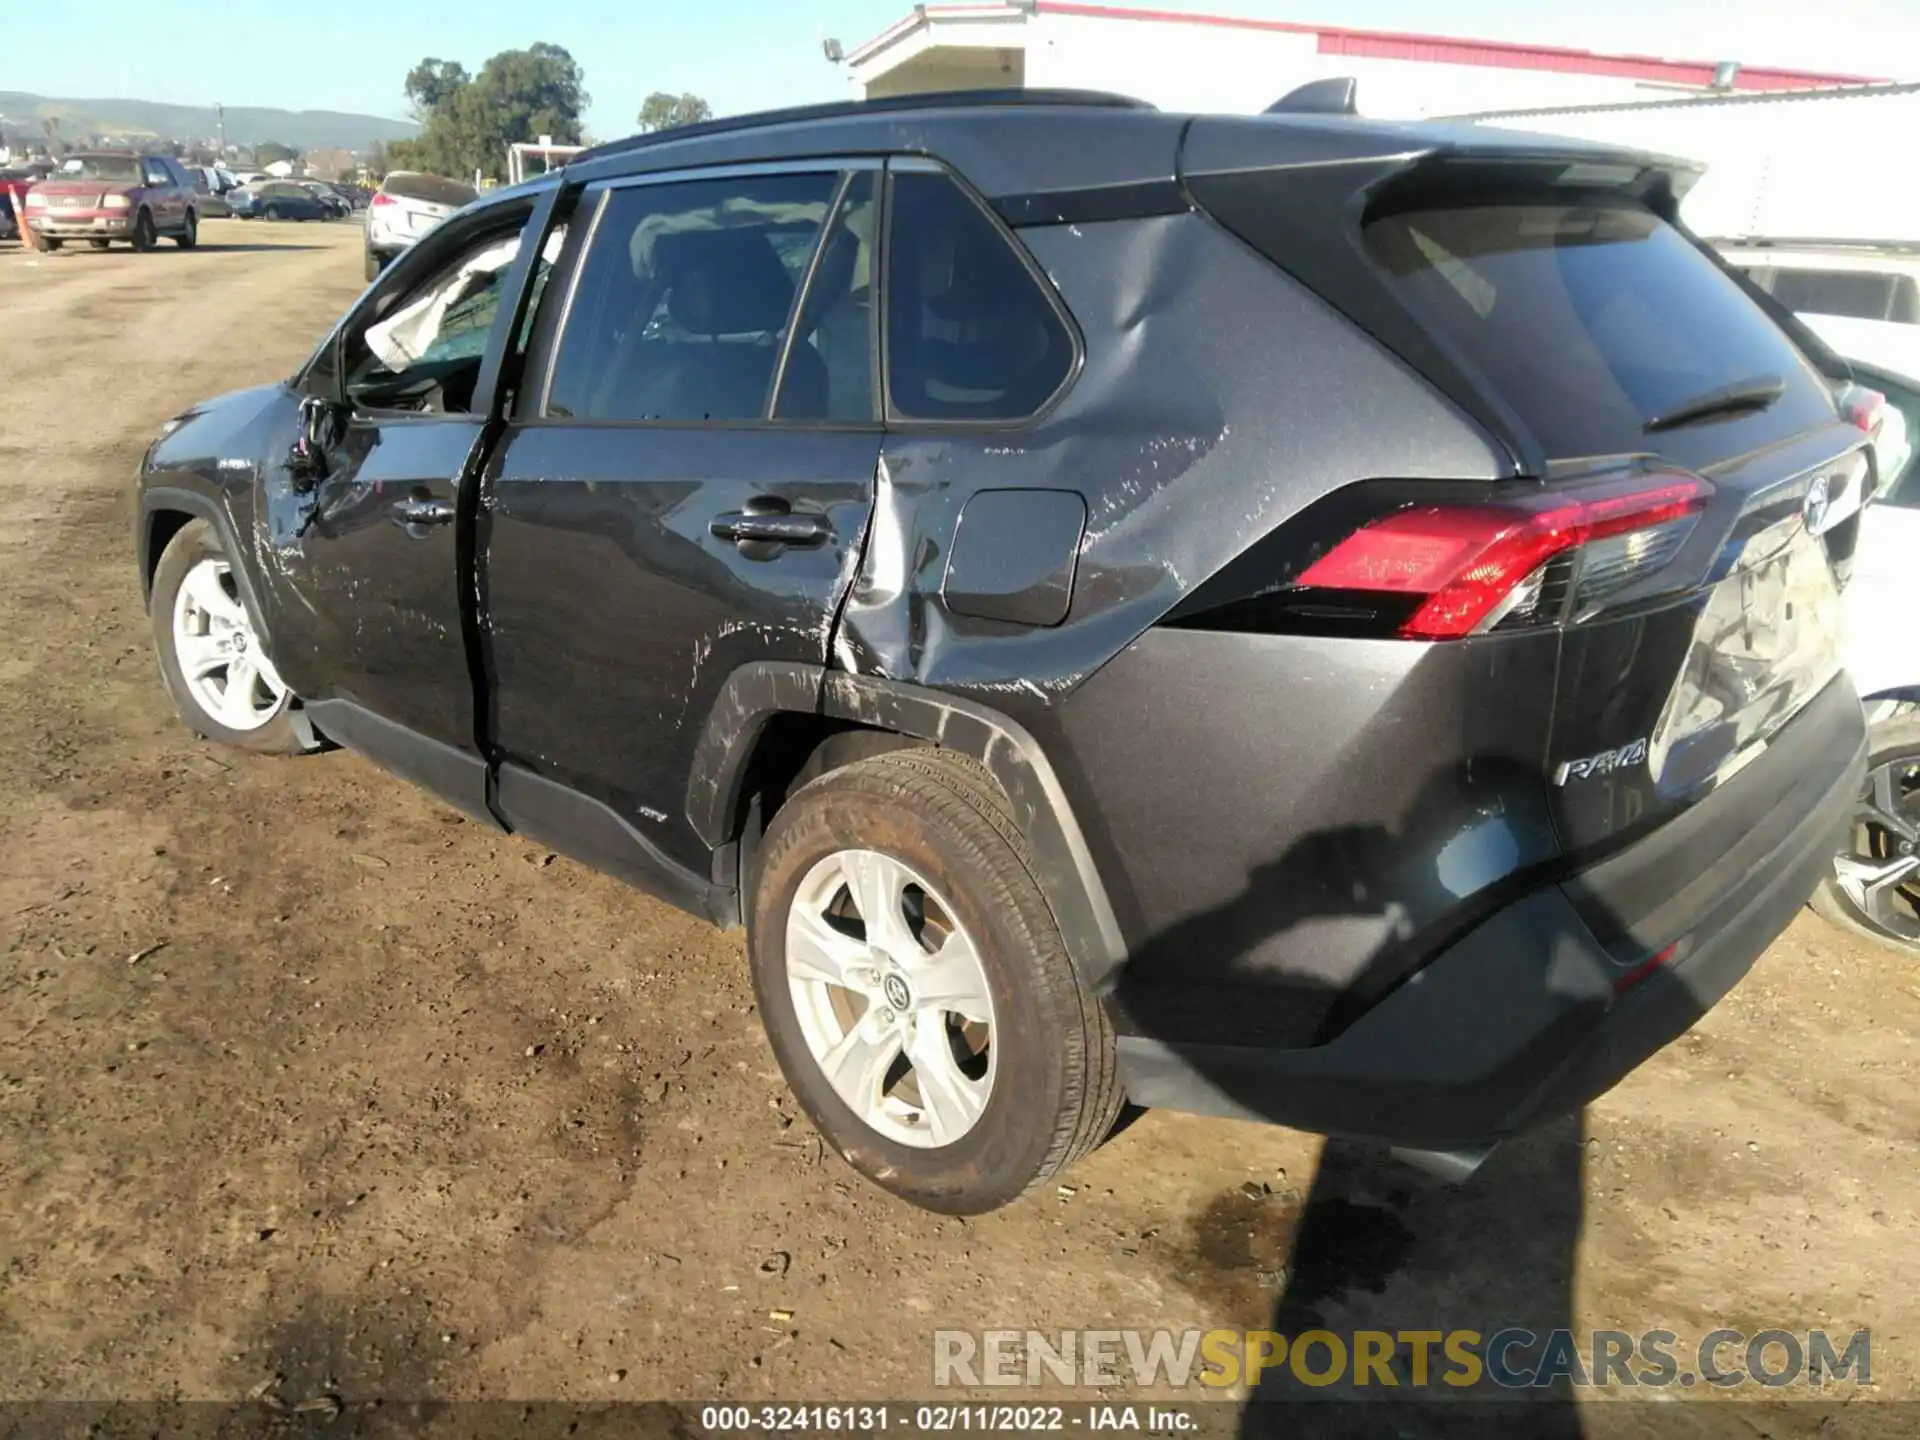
{"x": 684, "y": 489}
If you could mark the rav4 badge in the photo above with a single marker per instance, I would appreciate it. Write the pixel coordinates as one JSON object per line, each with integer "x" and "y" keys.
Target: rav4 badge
{"x": 1605, "y": 763}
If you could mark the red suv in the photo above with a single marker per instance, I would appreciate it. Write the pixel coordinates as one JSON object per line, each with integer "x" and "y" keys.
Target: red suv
{"x": 107, "y": 195}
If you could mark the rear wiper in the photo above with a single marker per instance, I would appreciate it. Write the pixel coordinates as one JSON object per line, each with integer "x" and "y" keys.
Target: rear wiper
{"x": 1755, "y": 393}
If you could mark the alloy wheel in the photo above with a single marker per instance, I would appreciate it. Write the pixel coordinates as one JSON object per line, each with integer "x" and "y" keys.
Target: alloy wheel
{"x": 1879, "y": 873}
{"x": 891, "y": 997}
{"x": 219, "y": 654}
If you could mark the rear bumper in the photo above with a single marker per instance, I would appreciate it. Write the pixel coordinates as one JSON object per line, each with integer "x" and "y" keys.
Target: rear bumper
{"x": 1525, "y": 1017}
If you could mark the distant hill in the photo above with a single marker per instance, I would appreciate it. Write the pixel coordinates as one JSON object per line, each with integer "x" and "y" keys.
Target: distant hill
{"x": 246, "y": 125}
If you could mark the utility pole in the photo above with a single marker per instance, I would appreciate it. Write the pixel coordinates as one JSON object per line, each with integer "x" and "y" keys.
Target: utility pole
{"x": 220, "y": 122}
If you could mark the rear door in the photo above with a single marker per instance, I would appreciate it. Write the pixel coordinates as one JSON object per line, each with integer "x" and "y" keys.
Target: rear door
{"x": 684, "y": 488}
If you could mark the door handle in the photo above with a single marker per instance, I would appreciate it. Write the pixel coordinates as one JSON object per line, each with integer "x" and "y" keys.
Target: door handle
{"x": 416, "y": 511}
{"x": 771, "y": 527}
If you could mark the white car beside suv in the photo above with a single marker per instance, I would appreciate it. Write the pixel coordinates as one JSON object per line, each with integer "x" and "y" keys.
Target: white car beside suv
{"x": 407, "y": 205}
{"x": 1863, "y": 302}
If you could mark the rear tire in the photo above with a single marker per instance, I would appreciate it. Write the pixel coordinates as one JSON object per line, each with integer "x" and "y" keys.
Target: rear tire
{"x": 1041, "y": 1080}
{"x": 145, "y": 237}
{"x": 374, "y": 266}
{"x": 259, "y": 718}
{"x": 272, "y": 212}
{"x": 1891, "y": 916}
{"x": 100, "y": 244}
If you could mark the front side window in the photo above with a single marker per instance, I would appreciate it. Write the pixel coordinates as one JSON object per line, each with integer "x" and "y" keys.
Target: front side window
{"x": 423, "y": 354}
{"x": 682, "y": 300}
{"x": 970, "y": 333}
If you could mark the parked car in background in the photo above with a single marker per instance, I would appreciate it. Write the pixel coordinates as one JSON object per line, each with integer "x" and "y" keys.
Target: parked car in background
{"x": 406, "y": 206}
{"x": 1862, "y": 300}
{"x": 1256, "y": 648}
{"x": 338, "y": 207}
{"x": 1875, "y": 884}
{"x": 277, "y": 200}
{"x": 108, "y": 195}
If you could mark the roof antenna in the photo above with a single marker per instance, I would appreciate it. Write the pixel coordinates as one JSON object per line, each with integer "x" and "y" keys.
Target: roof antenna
{"x": 1332, "y": 96}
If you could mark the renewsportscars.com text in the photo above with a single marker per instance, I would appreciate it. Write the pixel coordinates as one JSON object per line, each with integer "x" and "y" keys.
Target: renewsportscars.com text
{"x": 1513, "y": 1358}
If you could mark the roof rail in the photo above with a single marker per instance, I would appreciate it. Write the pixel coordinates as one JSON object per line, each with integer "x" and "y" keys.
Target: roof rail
{"x": 892, "y": 104}
{"x": 1335, "y": 95}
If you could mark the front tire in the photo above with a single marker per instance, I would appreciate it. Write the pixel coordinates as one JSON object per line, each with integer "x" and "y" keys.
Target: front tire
{"x": 221, "y": 681}
{"x": 145, "y": 237}
{"x": 915, "y": 989}
{"x": 1873, "y": 885}
{"x": 189, "y": 237}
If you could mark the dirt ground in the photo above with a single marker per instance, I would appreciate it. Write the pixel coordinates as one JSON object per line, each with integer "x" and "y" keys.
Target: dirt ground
{"x": 307, "y": 1086}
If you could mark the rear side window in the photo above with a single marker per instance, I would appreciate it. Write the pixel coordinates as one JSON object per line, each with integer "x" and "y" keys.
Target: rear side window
{"x": 683, "y": 298}
{"x": 970, "y": 333}
{"x": 1591, "y": 321}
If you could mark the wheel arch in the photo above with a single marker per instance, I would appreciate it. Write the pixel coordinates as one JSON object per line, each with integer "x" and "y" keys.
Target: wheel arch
{"x": 768, "y": 710}
{"x": 163, "y": 513}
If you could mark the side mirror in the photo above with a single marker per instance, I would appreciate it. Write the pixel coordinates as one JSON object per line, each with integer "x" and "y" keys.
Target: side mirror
{"x": 319, "y": 432}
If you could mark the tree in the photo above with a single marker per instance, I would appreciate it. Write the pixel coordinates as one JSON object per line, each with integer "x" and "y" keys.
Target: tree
{"x": 661, "y": 111}
{"x": 519, "y": 95}
{"x": 430, "y": 83}
{"x": 271, "y": 152}
{"x": 379, "y": 159}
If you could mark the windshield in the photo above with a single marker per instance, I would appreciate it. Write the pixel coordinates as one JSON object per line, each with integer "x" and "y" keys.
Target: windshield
{"x": 123, "y": 168}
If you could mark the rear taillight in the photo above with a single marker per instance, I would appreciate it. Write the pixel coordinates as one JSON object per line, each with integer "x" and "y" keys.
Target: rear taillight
{"x": 1531, "y": 559}
{"x": 1864, "y": 408}
{"x": 380, "y": 197}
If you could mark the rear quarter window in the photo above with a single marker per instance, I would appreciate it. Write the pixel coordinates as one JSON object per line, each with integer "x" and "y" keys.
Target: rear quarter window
{"x": 1590, "y": 321}
{"x": 971, "y": 335}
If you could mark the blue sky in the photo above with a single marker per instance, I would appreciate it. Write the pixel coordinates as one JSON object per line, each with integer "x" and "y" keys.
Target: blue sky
{"x": 751, "y": 54}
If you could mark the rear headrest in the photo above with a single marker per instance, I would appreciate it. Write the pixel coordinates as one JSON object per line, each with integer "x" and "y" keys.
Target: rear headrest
{"x": 723, "y": 282}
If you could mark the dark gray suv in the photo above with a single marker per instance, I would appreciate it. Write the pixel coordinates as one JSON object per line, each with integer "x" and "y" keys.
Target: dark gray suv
{"x": 1288, "y": 616}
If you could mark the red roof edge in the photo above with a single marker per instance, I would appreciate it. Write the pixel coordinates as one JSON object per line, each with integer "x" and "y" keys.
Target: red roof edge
{"x": 1503, "y": 54}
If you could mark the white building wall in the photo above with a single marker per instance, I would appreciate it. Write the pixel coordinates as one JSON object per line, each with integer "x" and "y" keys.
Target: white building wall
{"x": 1185, "y": 66}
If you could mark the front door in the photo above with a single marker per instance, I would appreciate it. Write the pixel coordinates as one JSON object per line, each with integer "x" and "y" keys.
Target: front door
{"x": 372, "y": 551}
{"x": 685, "y": 487}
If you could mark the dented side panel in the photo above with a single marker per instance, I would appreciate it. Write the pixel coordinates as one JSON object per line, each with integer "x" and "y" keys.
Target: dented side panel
{"x": 1182, "y": 459}
{"x": 369, "y": 604}
{"x": 612, "y": 616}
